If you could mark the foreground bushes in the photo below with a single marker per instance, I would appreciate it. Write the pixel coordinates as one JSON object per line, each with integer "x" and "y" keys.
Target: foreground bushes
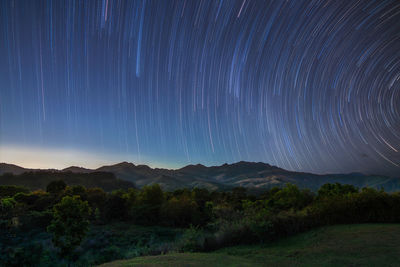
{"x": 212, "y": 219}
{"x": 261, "y": 221}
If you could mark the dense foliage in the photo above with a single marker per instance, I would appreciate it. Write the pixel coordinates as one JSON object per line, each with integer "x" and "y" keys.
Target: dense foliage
{"x": 35, "y": 180}
{"x": 212, "y": 219}
{"x": 70, "y": 223}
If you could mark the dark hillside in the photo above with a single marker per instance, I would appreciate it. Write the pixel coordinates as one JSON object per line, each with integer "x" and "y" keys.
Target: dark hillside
{"x": 40, "y": 179}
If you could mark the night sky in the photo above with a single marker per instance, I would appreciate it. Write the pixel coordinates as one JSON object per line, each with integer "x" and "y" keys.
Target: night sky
{"x": 304, "y": 85}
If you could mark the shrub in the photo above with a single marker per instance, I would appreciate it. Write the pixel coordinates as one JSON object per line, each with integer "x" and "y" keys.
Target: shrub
{"x": 110, "y": 253}
{"x": 191, "y": 240}
{"x": 36, "y": 219}
{"x": 11, "y": 190}
{"x": 22, "y": 255}
{"x": 7, "y": 208}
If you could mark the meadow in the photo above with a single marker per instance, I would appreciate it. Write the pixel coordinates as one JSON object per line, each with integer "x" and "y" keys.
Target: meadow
{"x": 339, "y": 245}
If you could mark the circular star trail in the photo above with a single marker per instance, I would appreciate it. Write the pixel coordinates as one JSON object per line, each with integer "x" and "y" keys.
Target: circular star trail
{"x": 304, "y": 85}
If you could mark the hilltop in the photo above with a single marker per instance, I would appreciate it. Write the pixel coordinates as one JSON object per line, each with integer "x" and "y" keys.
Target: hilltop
{"x": 256, "y": 176}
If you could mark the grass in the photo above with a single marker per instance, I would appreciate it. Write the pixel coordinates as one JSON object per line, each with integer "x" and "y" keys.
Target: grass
{"x": 339, "y": 245}
{"x": 123, "y": 240}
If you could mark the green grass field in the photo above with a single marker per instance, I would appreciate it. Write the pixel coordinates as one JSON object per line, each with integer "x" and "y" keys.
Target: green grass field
{"x": 340, "y": 245}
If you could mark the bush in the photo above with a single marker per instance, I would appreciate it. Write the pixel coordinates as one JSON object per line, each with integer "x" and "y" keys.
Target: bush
{"x": 110, "y": 253}
{"x": 191, "y": 240}
{"x": 25, "y": 255}
{"x": 7, "y": 208}
{"x": 181, "y": 212}
{"x": 11, "y": 190}
{"x": 36, "y": 219}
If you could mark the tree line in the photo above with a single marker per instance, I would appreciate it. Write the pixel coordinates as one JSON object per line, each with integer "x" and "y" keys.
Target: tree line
{"x": 213, "y": 219}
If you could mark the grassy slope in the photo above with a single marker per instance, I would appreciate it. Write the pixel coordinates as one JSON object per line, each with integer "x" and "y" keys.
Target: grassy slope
{"x": 340, "y": 245}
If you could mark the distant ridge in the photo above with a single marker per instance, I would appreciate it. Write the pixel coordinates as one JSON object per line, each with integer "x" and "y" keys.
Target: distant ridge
{"x": 254, "y": 175}
{"x": 76, "y": 169}
{"x": 11, "y": 168}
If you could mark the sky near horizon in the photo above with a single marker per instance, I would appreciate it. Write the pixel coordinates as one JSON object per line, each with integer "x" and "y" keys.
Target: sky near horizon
{"x": 305, "y": 85}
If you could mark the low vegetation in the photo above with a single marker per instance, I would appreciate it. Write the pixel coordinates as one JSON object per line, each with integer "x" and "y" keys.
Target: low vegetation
{"x": 339, "y": 245}
{"x": 87, "y": 226}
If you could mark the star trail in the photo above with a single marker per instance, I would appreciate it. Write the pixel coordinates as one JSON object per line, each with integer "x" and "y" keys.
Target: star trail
{"x": 303, "y": 85}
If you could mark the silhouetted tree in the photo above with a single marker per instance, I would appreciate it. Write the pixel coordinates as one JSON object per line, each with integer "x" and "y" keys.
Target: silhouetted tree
{"x": 70, "y": 223}
{"x": 330, "y": 190}
{"x": 115, "y": 207}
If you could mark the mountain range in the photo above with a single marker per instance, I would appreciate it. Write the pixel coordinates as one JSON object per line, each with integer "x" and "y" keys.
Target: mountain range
{"x": 253, "y": 175}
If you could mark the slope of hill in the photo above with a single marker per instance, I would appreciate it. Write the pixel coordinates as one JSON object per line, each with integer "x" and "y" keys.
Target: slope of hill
{"x": 11, "y": 168}
{"x": 339, "y": 245}
{"x": 76, "y": 169}
{"x": 247, "y": 174}
{"x": 253, "y": 175}
{"x": 40, "y": 179}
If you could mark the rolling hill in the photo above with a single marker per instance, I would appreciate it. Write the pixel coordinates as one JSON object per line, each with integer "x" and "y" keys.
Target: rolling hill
{"x": 252, "y": 175}
{"x": 40, "y": 179}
